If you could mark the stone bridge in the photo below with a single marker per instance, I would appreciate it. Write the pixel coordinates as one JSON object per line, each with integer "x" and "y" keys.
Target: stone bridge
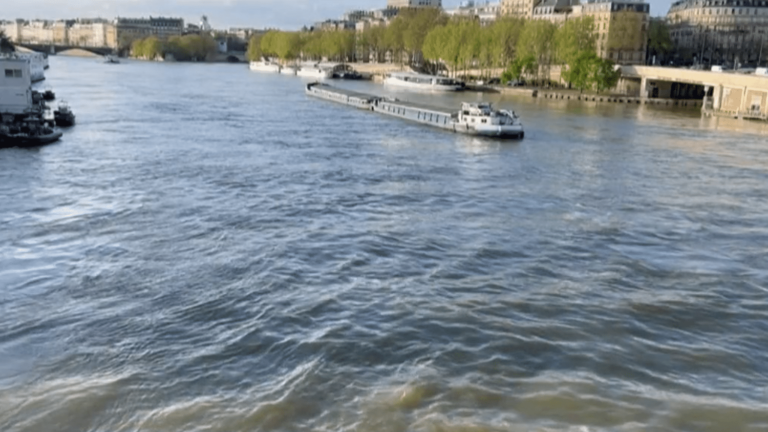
{"x": 55, "y": 49}
{"x": 724, "y": 93}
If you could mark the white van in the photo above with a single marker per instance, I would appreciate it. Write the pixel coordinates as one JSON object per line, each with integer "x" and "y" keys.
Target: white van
{"x": 761, "y": 71}
{"x": 717, "y": 68}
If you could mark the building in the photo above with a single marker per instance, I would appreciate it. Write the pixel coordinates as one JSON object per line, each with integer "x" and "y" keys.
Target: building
{"x": 414, "y": 3}
{"x": 518, "y": 8}
{"x": 334, "y": 25}
{"x": 357, "y": 15}
{"x": 128, "y": 30}
{"x": 486, "y": 12}
{"x": 720, "y": 32}
{"x": 621, "y": 26}
{"x": 92, "y": 33}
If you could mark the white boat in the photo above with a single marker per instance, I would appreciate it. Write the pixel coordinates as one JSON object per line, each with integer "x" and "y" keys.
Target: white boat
{"x": 111, "y": 59}
{"x": 37, "y": 62}
{"x": 482, "y": 119}
{"x": 422, "y": 82}
{"x": 265, "y": 66}
{"x": 315, "y": 72}
{"x": 288, "y": 70}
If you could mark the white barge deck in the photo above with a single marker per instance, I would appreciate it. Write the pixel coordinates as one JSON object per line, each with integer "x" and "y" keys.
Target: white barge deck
{"x": 472, "y": 119}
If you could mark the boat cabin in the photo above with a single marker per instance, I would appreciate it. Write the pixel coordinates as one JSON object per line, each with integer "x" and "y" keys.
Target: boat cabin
{"x": 15, "y": 85}
{"x": 483, "y": 113}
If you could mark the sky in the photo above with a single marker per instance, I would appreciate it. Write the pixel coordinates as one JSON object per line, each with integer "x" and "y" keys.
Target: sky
{"x": 222, "y": 14}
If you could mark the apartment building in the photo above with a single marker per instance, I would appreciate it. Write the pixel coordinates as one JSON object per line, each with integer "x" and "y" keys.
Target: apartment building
{"x": 729, "y": 32}
{"x": 621, "y": 26}
{"x": 414, "y": 3}
{"x": 518, "y": 8}
{"x": 96, "y": 33}
{"x": 484, "y": 11}
{"x": 130, "y": 29}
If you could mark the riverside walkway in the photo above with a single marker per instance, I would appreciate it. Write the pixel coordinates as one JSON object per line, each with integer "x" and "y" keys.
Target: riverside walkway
{"x": 725, "y": 93}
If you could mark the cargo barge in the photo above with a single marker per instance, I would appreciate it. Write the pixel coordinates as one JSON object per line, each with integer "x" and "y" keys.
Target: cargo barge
{"x": 479, "y": 119}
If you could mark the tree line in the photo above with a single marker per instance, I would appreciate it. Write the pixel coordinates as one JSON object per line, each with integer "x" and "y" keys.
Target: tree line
{"x": 429, "y": 39}
{"x": 305, "y": 45}
{"x": 183, "y": 48}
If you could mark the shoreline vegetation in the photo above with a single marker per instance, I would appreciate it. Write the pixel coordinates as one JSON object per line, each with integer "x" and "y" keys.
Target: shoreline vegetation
{"x": 431, "y": 42}
{"x": 180, "y": 48}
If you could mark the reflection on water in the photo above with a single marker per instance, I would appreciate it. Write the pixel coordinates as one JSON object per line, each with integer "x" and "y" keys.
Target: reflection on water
{"x": 211, "y": 250}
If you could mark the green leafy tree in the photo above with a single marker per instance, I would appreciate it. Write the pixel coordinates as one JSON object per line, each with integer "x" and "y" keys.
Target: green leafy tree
{"x": 521, "y": 66}
{"x": 268, "y": 43}
{"x": 254, "y": 52}
{"x": 581, "y": 70}
{"x": 394, "y": 40}
{"x": 605, "y": 75}
{"x": 417, "y": 25}
{"x": 575, "y": 37}
{"x": 536, "y": 39}
{"x": 659, "y": 42}
{"x": 626, "y": 32}
{"x": 506, "y": 34}
{"x": 287, "y": 45}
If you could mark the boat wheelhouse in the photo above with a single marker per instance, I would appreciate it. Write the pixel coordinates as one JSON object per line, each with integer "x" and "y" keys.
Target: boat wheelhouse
{"x": 422, "y": 82}
{"x": 486, "y": 121}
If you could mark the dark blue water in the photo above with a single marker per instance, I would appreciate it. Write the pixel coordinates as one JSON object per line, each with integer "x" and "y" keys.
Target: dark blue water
{"x": 210, "y": 250}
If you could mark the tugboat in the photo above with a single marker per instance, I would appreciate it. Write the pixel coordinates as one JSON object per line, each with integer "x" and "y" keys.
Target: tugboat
{"x": 29, "y": 132}
{"x": 64, "y": 117}
{"x": 48, "y": 95}
{"x": 346, "y": 72}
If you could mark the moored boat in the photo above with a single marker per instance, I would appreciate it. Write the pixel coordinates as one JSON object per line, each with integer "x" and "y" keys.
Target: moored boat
{"x": 63, "y": 116}
{"x": 48, "y": 95}
{"x": 346, "y": 72}
{"x": 30, "y": 132}
{"x": 314, "y": 71}
{"x": 416, "y": 81}
{"x": 264, "y": 66}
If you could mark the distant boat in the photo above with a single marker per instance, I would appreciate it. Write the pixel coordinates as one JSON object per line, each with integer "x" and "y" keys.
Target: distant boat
{"x": 264, "y": 66}
{"x": 64, "y": 117}
{"x": 422, "y": 82}
{"x": 345, "y": 71}
{"x": 314, "y": 71}
{"x": 111, "y": 59}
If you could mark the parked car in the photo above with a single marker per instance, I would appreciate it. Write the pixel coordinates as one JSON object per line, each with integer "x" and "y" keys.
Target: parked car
{"x": 516, "y": 83}
{"x": 717, "y": 68}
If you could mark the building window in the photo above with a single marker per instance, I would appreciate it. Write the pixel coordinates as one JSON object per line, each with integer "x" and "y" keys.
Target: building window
{"x": 9, "y": 73}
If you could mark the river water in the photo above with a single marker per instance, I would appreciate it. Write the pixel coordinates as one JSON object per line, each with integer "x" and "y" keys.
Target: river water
{"x": 211, "y": 250}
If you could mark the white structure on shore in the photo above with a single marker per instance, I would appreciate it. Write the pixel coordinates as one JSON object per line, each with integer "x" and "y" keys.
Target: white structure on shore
{"x": 15, "y": 85}
{"x": 485, "y": 11}
{"x": 414, "y": 3}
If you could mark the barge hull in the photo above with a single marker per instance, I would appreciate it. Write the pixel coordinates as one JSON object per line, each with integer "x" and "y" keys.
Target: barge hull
{"x": 417, "y": 113}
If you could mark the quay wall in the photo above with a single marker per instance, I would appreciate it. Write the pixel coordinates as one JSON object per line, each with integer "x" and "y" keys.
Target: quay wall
{"x": 685, "y": 103}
